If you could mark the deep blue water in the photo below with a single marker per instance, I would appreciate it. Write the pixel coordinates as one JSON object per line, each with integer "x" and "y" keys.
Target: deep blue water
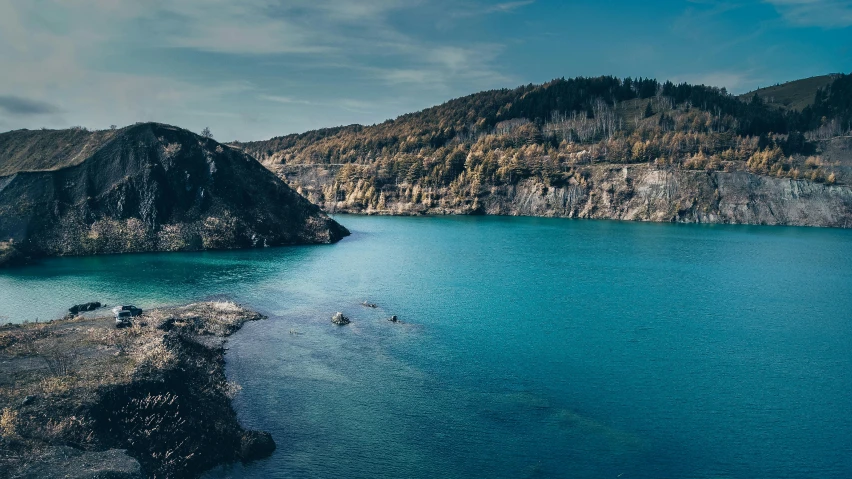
{"x": 529, "y": 347}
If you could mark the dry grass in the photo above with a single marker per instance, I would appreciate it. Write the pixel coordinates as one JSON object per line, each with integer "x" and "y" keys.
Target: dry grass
{"x": 226, "y": 306}
{"x": 9, "y": 423}
{"x": 74, "y": 357}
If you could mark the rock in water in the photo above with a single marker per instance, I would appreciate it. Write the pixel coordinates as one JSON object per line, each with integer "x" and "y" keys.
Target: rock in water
{"x": 339, "y": 319}
{"x": 256, "y": 445}
{"x": 147, "y": 187}
{"x": 79, "y": 308}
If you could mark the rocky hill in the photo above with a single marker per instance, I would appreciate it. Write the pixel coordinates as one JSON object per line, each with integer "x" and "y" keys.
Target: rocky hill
{"x": 600, "y": 147}
{"x": 147, "y": 187}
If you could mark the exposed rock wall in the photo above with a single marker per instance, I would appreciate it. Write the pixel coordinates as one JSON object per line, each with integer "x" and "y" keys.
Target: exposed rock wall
{"x": 636, "y": 193}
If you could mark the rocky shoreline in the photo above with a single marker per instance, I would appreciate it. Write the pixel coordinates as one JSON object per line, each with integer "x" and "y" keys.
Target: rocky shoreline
{"x": 82, "y": 399}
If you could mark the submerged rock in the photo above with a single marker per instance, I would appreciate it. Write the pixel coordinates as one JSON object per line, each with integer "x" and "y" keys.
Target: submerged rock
{"x": 369, "y": 305}
{"x": 393, "y": 319}
{"x": 339, "y": 319}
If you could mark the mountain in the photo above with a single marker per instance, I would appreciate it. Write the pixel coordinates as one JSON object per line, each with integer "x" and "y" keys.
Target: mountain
{"x": 602, "y": 147}
{"x": 147, "y": 187}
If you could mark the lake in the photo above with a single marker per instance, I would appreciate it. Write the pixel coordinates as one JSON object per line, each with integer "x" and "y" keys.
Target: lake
{"x": 527, "y": 347}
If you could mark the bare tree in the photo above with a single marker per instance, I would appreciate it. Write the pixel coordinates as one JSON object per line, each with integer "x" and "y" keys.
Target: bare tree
{"x": 206, "y": 132}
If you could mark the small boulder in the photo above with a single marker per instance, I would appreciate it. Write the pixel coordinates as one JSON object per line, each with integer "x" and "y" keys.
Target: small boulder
{"x": 339, "y": 319}
{"x": 256, "y": 445}
{"x": 393, "y": 319}
{"x": 369, "y": 305}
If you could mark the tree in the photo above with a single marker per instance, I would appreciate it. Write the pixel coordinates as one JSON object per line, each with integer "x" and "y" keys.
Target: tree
{"x": 113, "y": 127}
{"x": 649, "y": 112}
{"x": 206, "y": 132}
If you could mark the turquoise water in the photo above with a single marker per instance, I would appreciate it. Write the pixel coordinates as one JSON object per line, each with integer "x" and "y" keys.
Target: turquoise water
{"x": 529, "y": 347}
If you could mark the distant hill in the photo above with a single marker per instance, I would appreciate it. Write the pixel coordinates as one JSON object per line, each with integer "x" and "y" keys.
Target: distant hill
{"x": 147, "y": 187}
{"x": 793, "y": 95}
{"x": 475, "y": 153}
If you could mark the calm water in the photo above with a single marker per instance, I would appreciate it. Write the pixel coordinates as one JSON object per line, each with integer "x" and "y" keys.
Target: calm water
{"x": 529, "y": 348}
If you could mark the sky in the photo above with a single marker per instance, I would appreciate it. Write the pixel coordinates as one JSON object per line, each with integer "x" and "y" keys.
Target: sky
{"x": 255, "y": 69}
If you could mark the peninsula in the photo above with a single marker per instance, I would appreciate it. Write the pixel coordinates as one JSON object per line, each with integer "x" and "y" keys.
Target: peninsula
{"x": 80, "y": 398}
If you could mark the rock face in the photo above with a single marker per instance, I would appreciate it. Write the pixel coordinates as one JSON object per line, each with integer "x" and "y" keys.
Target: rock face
{"x": 634, "y": 192}
{"x": 147, "y": 187}
{"x": 648, "y": 194}
{"x": 339, "y": 319}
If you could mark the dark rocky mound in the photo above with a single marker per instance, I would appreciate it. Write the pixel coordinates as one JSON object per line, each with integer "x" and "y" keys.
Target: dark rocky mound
{"x": 147, "y": 187}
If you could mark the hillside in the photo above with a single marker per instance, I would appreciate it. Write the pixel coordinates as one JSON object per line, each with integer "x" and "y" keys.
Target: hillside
{"x": 793, "y": 95}
{"x": 147, "y": 187}
{"x": 475, "y": 153}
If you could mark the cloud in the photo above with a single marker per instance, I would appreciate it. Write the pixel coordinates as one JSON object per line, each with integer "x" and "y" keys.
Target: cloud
{"x": 815, "y": 13}
{"x": 193, "y": 61}
{"x": 262, "y": 27}
{"x": 16, "y": 105}
{"x": 486, "y": 9}
{"x": 508, "y": 6}
{"x": 283, "y": 99}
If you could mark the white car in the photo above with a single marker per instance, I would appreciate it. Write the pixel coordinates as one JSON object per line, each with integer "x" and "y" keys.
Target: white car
{"x": 123, "y": 314}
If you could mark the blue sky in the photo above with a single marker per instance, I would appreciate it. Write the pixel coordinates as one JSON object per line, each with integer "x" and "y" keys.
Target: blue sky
{"x": 254, "y": 69}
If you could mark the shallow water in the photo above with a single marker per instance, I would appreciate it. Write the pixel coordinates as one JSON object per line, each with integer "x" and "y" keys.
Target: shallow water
{"x": 528, "y": 348}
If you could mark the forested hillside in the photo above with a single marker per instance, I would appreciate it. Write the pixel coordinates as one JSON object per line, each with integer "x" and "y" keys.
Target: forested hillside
{"x": 460, "y": 156}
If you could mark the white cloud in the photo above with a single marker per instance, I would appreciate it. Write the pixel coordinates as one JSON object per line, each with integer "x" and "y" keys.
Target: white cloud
{"x": 486, "y": 9}
{"x": 283, "y": 99}
{"x": 815, "y": 13}
{"x": 78, "y": 56}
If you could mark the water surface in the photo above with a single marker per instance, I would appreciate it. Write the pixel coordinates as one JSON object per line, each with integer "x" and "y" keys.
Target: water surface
{"x": 529, "y": 347}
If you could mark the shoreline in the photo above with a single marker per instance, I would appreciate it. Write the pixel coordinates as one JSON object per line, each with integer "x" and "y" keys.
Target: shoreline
{"x": 80, "y": 398}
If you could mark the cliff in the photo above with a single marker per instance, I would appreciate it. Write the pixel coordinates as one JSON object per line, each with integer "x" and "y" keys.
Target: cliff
{"x": 632, "y": 192}
{"x": 147, "y": 187}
